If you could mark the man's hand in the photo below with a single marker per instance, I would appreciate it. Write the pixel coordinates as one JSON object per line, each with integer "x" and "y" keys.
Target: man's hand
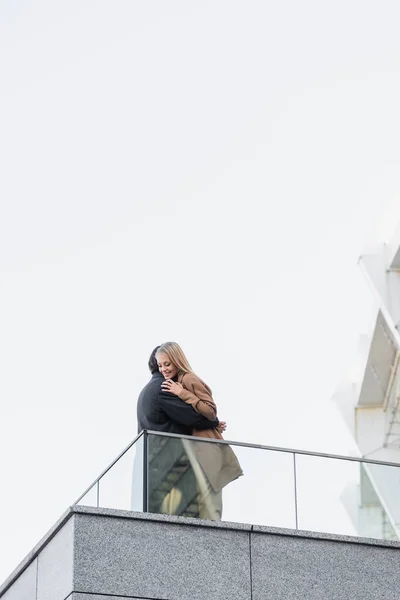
{"x": 222, "y": 426}
{"x": 171, "y": 386}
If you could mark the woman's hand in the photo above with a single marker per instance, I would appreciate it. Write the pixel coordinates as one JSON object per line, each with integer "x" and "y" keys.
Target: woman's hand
{"x": 172, "y": 386}
{"x": 222, "y": 426}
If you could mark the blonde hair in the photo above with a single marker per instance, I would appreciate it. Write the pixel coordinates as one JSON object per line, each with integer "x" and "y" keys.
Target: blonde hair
{"x": 176, "y": 356}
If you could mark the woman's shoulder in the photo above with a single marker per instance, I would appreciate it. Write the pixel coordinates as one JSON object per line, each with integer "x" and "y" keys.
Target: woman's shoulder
{"x": 192, "y": 379}
{"x": 189, "y": 378}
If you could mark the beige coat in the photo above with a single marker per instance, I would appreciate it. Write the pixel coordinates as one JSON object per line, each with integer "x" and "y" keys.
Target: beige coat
{"x": 218, "y": 461}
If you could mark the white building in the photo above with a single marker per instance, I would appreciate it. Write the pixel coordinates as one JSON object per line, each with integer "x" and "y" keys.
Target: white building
{"x": 371, "y": 405}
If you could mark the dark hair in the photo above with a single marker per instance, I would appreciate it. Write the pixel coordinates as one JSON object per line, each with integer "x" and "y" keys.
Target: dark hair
{"x": 153, "y": 365}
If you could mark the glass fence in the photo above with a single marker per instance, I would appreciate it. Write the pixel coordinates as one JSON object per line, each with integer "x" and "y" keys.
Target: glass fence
{"x": 245, "y": 483}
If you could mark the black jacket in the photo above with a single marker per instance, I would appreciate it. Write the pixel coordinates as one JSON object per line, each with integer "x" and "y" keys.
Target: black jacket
{"x": 163, "y": 411}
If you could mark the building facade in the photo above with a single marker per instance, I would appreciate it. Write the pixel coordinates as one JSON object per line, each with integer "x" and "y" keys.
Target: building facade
{"x": 371, "y": 403}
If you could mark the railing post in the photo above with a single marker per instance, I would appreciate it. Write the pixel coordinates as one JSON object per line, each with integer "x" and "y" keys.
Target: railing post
{"x": 145, "y": 472}
{"x": 98, "y": 493}
{"x": 295, "y": 491}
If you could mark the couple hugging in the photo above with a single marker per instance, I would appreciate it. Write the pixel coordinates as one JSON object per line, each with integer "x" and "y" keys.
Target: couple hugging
{"x": 177, "y": 401}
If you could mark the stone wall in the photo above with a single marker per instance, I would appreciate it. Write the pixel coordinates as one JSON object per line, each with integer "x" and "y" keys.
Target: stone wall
{"x": 104, "y": 554}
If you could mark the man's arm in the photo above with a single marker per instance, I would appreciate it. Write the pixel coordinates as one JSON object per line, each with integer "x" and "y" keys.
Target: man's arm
{"x": 183, "y": 414}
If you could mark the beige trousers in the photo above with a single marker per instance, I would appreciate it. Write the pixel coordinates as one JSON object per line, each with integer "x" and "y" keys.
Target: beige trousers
{"x": 210, "y": 502}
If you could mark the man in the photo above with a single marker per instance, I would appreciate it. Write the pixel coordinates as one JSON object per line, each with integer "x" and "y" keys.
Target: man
{"x": 171, "y": 481}
{"x": 158, "y": 410}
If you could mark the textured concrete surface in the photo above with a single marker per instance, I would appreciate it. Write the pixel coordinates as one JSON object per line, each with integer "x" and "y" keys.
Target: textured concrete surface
{"x": 156, "y": 518}
{"x": 290, "y": 568}
{"x": 317, "y": 535}
{"x": 160, "y": 560}
{"x": 79, "y": 596}
{"x": 25, "y": 586}
{"x": 106, "y": 554}
{"x": 55, "y": 565}
{"x": 32, "y": 555}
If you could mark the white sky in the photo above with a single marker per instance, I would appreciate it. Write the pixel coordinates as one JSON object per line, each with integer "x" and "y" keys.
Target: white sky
{"x": 205, "y": 172}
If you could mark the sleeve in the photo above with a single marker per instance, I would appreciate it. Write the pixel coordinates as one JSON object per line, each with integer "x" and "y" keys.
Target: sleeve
{"x": 182, "y": 413}
{"x": 199, "y": 396}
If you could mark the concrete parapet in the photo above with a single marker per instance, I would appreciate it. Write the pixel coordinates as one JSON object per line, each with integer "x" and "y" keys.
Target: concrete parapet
{"x": 106, "y": 554}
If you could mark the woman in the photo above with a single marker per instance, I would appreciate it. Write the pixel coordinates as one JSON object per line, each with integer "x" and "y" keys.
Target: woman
{"x": 215, "y": 465}
{"x": 181, "y": 381}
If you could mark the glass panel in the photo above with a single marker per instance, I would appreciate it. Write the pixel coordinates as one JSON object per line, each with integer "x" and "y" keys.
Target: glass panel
{"x": 90, "y": 498}
{"x": 264, "y": 495}
{"x": 122, "y": 486}
{"x": 203, "y": 479}
{"x": 322, "y": 487}
{"x": 379, "y": 507}
{"x": 171, "y": 481}
{"x": 216, "y": 481}
{"x": 136, "y": 502}
{"x": 347, "y": 497}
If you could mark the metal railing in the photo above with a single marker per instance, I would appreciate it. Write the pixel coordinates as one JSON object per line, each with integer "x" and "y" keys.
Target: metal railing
{"x": 157, "y": 472}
